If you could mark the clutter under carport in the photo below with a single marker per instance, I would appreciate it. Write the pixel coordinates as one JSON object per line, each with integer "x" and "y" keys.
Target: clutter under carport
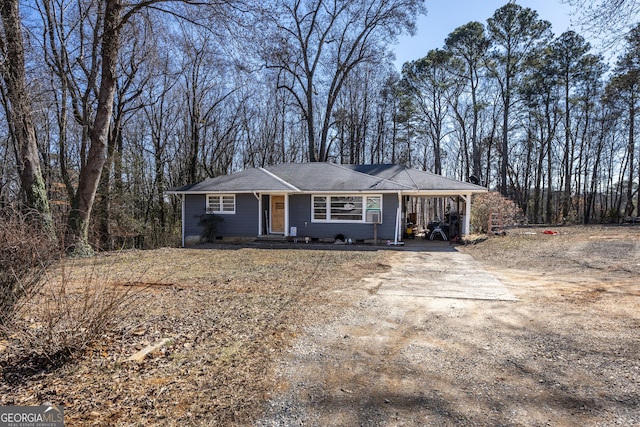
{"x": 444, "y": 230}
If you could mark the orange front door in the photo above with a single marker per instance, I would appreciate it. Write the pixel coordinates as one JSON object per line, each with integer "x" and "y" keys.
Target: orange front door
{"x": 277, "y": 214}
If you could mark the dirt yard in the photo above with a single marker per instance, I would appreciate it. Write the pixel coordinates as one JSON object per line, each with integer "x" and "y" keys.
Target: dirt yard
{"x": 299, "y": 336}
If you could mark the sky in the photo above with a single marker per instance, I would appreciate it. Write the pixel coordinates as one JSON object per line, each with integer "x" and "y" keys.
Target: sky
{"x": 444, "y": 16}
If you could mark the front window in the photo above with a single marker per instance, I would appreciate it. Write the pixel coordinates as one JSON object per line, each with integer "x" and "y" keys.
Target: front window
{"x": 221, "y": 204}
{"x": 346, "y": 208}
{"x": 319, "y": 208}
{"x": 343, "y": 208}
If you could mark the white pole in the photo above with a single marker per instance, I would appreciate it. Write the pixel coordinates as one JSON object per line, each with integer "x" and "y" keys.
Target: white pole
{"x": 184, "y": 196}
{"x": 467, "y": 215}
{"x": 259, "y": 197}
{"x": 399, "y": 225}
{"x": 395, "y": 231}
{"x": 286, "y": 214}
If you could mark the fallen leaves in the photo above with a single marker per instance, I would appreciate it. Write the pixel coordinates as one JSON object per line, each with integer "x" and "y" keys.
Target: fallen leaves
{"x": 205, "y": 334}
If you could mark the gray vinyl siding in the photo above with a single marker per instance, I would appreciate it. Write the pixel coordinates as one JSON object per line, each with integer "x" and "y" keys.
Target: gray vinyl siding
{"x": 300, "y": 217}
{"x": 243, "y": 223}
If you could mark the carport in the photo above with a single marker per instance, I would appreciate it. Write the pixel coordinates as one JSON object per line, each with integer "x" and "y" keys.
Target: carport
{"x": 425, "y": 185}
{"x": 451, "y": 211}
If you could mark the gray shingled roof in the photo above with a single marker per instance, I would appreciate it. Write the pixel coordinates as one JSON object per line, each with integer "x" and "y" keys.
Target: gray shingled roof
{"x": 416, "y": 179}
{"x": 247, "y": 181}
{"x": 329, "y": 177}
{"x": 320, "y": 177}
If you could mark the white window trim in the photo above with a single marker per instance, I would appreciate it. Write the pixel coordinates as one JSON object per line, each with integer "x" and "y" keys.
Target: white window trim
{"x": 220, "y": 197}
{"x": 362, "y": 220}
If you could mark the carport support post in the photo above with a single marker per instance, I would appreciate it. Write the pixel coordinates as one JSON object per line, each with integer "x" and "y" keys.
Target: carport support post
{"x": 467, "y": 214}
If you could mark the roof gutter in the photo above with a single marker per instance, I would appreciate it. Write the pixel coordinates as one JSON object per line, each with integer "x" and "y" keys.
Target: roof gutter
{"x": 442, "y": 193}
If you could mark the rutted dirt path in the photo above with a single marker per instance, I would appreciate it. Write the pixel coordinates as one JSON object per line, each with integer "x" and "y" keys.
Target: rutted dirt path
{"x": 559, "y": 353}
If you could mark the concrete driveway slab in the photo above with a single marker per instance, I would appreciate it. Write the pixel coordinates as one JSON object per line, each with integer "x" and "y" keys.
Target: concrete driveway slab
{"x": 441, "y": 274}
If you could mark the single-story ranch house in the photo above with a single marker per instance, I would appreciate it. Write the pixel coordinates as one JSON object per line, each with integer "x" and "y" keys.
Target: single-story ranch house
{"x": 315, "y": 201}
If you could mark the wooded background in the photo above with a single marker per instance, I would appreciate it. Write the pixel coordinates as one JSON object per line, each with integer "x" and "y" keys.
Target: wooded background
{"x": 107, "y": 104}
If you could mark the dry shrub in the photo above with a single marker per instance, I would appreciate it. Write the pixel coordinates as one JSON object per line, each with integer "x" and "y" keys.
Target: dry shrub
{"x": 72, "y": 311}
{"x": 51, "y": 307}
{"x": 487, "y": 203}
{"x": 26, "y": 252}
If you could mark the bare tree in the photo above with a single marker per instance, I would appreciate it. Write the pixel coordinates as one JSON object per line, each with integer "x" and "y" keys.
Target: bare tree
{"x": 19, "y": 114}
{"x": 353, "y": 116}
{"x": 610, "y": 20}
{"x": 318, "y": 43}
{"x": 134, "y": 74}
{"x": 427, "y": 82}
{"x": 624, "y": 87}
{"x": 568, "y": 51}
{"x": 160, "y": 122}
{"x": 541, "y": 96}
{"x": 100, "y": 26}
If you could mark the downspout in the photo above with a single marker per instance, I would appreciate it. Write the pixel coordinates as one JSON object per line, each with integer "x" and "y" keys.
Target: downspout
{"x": 398, "y": 219}
{"x": 286, "y": 214}
{"x": 184, "y": 196}
{"x": 257, "y": 196}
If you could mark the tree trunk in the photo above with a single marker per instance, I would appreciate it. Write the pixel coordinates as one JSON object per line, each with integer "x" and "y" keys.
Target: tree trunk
{"x": 567, "y": 160}
{"x": 537, "y": 192}
{"x": 549, "y": 216}
{"x": 628, "y": 211}
{"x": 19, "y": 115}
{"x": 504, "y": 162}
{"x": 92, "y": 170}
{"x": 475, "y": 146}
{"x": 314, "y": 156}
{"x": 589, "y": 206}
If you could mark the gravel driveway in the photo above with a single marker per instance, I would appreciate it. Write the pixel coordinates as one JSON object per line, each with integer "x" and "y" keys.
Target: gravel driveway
{"x": 428, "y": 344}
{"x": 535, "y": 329}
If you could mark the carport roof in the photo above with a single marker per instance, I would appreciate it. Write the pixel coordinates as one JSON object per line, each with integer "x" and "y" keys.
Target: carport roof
{"x": 417, "y": 180}
{"x": 330, "y": 177}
